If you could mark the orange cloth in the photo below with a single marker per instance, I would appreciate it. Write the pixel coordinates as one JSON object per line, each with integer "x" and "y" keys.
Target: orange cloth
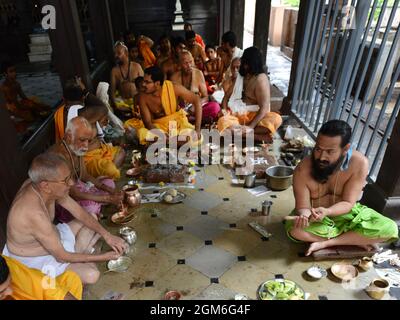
{"x": 200, "y": 41}
{"x": 100, "y": 162}
{"x": 148, "y": 55}
{"x": 31, "y": 284}
{"x": 174, "y": 123}
{"x": 59, "y": 123}
{"x": 272, "y": 121}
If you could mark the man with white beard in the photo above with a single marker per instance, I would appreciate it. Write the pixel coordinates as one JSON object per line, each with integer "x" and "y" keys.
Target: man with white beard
{"x": 89, "y": 192}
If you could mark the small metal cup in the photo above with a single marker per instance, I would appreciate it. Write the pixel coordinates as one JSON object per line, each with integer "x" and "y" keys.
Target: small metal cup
{"x": 266, "y": 208}
{"x": 250, "y": 181}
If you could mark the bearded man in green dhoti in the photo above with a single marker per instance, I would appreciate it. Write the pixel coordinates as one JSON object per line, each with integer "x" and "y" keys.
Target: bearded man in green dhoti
{"x": 327, "y": 186}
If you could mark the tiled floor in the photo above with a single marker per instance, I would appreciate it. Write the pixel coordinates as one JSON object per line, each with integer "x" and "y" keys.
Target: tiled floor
{"x": 205, "y": 249}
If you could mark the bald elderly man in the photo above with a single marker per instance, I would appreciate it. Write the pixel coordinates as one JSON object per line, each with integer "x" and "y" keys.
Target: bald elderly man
{"x": 34, "y": 240}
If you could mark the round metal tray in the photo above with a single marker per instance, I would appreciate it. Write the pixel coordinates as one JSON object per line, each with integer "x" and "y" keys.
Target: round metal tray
{"x": 178, "y": 199}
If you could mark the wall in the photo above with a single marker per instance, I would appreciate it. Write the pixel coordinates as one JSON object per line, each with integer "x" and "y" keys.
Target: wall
{"x": 155, "y": 17}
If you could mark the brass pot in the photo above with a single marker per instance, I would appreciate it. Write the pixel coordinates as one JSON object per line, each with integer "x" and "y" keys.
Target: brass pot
{"x": 365, "y": 263}
{"x": 133, "y": 196}
{"x": 378, "y": 288}
{"x": 279, "y": 178}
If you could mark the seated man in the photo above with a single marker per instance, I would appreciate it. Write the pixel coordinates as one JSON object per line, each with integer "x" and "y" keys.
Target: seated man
{"x": 248, "y": 101}
{"x": 195, "y": 49}
{"x": 75, "y": 97}
{"x": 134, "y": 55}
{"x": 228, "y": 50}
{"x": 199, "y": 39}
{"x": 91, "y": 193}
{"x": 172, "y": 65}
{"x": 36, "y": 242}
{"x": 165, "y": 50}
{"x": 102, "y": 159}
{"x": 18, "y": 282}
{"x": 27, "y": 109}
{"x": 212, "y": 72}
{"x": 123, "y": 77}
{"x": 145, "y": 44}
{"x": 193, "y": 80}
{"x": 327, "y": 186}
{"x": 133, "y": 125}
{"x": 159, "y": 107}
{"x": 230, "y": 80}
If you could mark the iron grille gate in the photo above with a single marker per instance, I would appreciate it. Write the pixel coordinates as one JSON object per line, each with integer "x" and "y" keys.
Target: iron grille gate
{"x": 348, "y": 68}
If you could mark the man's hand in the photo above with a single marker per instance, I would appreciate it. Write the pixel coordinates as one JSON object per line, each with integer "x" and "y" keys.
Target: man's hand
{"x": 115, "y": 199}
{"x": 117, "y": 244}
{"x": 111, "y": 255}
{"x": 301, "y": 222}
{"x": 319, "y": 214}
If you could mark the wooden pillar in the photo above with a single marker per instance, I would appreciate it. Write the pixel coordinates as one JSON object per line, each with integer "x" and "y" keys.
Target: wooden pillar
{"x": 384, "y": 194}
{"x": 237, "y": 20}
{"x": 224, "y": 17}
{"x": 300, "y": 31}
{"x": 13, "y": 169}
{"x": 102, "y": 29}
{"x": 261, "y": 26}
{"x": 70, "y": 57}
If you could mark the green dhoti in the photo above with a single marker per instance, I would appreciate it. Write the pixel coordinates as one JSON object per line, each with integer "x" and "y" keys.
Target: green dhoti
{"x": 361, "y": 219}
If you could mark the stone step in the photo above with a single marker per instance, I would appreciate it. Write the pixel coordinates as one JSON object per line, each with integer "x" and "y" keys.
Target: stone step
{"x": 35, "y": 57}
{"x": 40, "y": 49}
{"x": 40, "y": 39}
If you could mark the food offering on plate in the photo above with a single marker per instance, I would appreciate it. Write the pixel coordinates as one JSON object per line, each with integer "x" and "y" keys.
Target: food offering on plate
{"x": 120, "y": 265}
{"x": 281, "y": 290}
{"x": 172, "y": 196}
{"x": 317, "y": 272}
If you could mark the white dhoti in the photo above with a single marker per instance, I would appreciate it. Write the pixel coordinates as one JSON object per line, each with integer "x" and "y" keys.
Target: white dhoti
{"x": 48, "y": 264}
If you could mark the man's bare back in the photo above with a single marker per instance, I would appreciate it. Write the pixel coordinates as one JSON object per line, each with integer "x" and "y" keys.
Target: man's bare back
{"x": 330, "y": 193}
{"x": 27, "y": 208}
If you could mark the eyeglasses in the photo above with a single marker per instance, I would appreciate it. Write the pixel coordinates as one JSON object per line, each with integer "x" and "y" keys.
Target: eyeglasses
{"x": 66, "y": 181}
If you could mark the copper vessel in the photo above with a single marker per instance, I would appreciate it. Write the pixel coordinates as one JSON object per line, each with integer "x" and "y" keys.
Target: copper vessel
{"x": 132, "y": 196}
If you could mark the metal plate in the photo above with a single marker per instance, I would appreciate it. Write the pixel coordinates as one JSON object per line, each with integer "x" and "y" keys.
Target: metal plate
{"x": 122, "y": 264}
{"x": 274, "y": 296}
{"x": 178, "y": 199}
{"x": 121, "y": 220}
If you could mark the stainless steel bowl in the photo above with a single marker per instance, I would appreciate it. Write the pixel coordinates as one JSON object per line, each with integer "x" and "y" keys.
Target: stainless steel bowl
{"x": 279, "y": 178}
{"x": 122, "y": 264}
{"x": 128, "y": 234}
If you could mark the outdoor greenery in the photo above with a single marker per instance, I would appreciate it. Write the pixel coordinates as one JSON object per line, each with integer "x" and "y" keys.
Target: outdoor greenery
{"x": 292, "y": 3}
{"x": 379, "y": 8}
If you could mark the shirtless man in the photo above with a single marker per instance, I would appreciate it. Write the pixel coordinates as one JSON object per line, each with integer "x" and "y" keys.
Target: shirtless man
{"x": 165, "y": 50}
{"x": 230, "y": 81}
{"x": 35, "y": 241}
{"x": 91, "y": 193}
{"x": 123, "y": 76}
{"x": 156, "y": 115}
{"x": 212, "y": 71}
{"x": 195, "y": 49}
{"x": 250, "y": 108}
{"x": 26, "y": 108}
{"x": 171, "y": 65}
{"x": 228, "y": 50}
{"x": 327, "y": 187}
{"x": 193, "y": 80}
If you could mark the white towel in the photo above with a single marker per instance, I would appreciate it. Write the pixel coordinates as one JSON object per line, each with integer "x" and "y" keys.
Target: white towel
{"x": 73, "y": 112}
{"x": 236, "y": 103}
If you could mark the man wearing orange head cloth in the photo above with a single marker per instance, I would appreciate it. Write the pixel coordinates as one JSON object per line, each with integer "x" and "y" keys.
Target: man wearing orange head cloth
{"x": 247, "y": 102}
